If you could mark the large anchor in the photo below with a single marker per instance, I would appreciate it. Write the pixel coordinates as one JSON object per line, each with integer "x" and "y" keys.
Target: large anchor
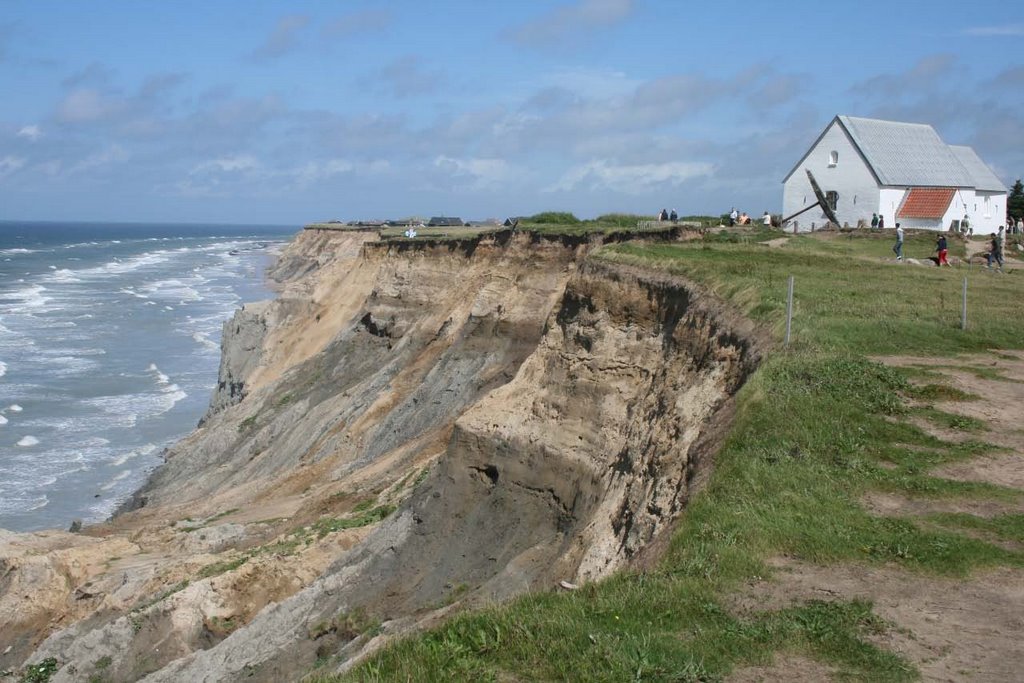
{"x": 822, "y": 202}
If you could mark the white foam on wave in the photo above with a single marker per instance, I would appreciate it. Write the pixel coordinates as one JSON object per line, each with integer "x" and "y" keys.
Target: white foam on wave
{"x": 30, "y": 299}
{"x": 15, "y": 408}
{"x": 28, "y": 441}
{"x": 203, "y": 340}
{"x": 132, "y": 454}
{"x": 17, "y": 250}
{"x": 128, "y": 409}
{"x": 38, "y": 503}
{"x": 3, "y": 420}
{"x": 113, "y": 482}
{"x": 172, "y": 394}
{"x": 175, "y": 289}
{"x": 161, "y": 378}
{"x": 3, "y": 368}
{"x": 67, "y": 365}
{"x": 64, "y": 275}
{"x": 131, "y": 291}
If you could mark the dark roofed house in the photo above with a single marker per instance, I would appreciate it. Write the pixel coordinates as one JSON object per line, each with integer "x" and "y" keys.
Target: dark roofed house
{"x": 902, "y": 171}
{"x": 445, "y": 222}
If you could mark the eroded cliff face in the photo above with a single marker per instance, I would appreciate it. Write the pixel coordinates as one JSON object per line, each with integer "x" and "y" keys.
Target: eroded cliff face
{"x": 515, "y": 413}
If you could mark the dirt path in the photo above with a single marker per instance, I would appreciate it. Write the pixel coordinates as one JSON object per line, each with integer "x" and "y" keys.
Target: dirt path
{"x": 950, "y": 629}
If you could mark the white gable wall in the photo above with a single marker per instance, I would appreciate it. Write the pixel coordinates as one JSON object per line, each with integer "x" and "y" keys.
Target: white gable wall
{"x": 889, "y": 201}
{"x": 991, "y": 213}
{"x": 850, "y": 177}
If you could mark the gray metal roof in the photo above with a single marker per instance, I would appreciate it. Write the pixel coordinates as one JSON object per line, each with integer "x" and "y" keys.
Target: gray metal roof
{"x": 910, "y": 154}
{"x": 983, "y": 177}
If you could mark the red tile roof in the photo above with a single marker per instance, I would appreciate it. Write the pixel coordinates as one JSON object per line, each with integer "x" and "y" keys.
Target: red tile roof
{"x": 926, "y": 202}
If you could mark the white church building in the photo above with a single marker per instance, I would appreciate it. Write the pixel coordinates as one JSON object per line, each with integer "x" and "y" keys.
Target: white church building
{"x": 901, "y": 171}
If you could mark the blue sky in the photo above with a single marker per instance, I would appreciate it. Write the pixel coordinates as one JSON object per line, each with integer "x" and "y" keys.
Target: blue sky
{"x": 273, "y": 112}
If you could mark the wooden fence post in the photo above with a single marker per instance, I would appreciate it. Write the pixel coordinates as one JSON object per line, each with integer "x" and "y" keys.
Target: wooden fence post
{"x": 789, "y": 310}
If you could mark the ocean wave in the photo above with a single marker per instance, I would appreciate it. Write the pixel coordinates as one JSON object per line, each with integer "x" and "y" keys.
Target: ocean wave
{"x": 27, "y": 441}
{"x": 174, "y": 288}
{"x": 37, "y": 503}
{"x": 3, "y": 420}
{"x": 3, "y": 368}
{"x": 161, "y": 378}
{"x": 113, "y": 482}
{"x": 17, "y": 250}
{"x": 64, "y": 275}
{"x": 26, "y": 299}
{"x": 202, "y": 338}
{"x": 127, "y": 409}
{"x": 15, "y": 408}
{"x": 132, "y": 454}
{"x": 172, "y": 394}
{"x": 66, "y": 365}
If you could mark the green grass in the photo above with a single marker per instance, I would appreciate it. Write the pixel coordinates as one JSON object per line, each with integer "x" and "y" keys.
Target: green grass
{"x": 218, "y": 568}
{"x": 327, "y": 525}
{"x": 817, "y": 427}
{"x": 41, "y": 672}
{"x": 1009, "y": 527}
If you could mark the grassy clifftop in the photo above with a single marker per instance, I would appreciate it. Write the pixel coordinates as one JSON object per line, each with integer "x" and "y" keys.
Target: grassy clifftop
{"x": 821, "y": 427}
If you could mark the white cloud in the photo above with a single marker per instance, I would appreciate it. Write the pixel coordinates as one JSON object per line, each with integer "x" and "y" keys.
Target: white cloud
{"x": 629, "y": 179}
{"x": 591, "y": 83}
{"x": 85, "y": 104}
{"x": 566, "y": 23}
{"x": 9, "y": 164}
{"x": 356, "y": 23}
{"x": 235, "y": 164}
{"x": 316, "y": 171}
{"x": 111, "y": 155}
{"x": 482, "y": 173}
{"x": 32, "y": 132}
{"x": 1004, "y": 30}
{"x": 283, "y": 39}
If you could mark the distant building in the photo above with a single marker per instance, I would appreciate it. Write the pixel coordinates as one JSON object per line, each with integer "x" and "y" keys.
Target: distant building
{"x": 902, "y": 171}
{"x": 445, "y": 222}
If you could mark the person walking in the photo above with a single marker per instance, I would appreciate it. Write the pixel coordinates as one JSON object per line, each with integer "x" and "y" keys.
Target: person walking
{"x": 874, "y": 221}
{"x": 766, "y": 220}
{"x": 898, "y": 247}
{"x": 996, "y": 254}
{"x": 942, "y": 248}
{"x": 881, "y": 222}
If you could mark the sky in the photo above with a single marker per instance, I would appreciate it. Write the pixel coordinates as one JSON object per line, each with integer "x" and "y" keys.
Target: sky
{"x": 242, "y": 111}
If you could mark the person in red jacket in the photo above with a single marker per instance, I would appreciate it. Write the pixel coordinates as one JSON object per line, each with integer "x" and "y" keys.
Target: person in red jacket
{"x": 942, "y": 249}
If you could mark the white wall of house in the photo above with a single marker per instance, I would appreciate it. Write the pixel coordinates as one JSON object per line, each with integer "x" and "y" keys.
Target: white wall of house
{"x": 889, "y": 201}
{"x": 991, "y": 212}
{"x": 849, "y": 175}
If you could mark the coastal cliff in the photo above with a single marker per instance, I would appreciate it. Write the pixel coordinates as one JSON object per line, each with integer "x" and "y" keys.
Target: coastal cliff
{"x": 409, "y": 427}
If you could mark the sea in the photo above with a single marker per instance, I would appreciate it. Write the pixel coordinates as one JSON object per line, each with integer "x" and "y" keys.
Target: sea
{"x": 109, "y": 350}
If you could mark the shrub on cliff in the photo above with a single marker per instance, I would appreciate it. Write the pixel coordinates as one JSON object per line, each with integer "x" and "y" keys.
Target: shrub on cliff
{"x": 554, "y": 217}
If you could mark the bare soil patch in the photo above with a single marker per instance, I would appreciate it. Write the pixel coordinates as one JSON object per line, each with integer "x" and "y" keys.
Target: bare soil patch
{"x": 951, "y": 629}
{"x": 886, "y": 504}
{"x": 999, "y": 404}
{"x": 784, "y": 668}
